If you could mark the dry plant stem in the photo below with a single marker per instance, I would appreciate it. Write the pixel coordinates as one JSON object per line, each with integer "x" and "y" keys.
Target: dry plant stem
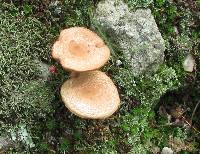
{"x": 194, "y": 111}
{"x": 198, "y": 132}
{"x": 188, "y": 123}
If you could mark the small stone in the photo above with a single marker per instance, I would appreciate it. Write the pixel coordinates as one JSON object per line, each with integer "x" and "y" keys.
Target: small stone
{"x": 189, "y": 63}
{"x": 167, "y": 150}
{"x": 118, "y": 62}
{"x": 176, "y": 30}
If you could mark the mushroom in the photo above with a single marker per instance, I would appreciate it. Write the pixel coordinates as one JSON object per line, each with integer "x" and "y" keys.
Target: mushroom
{"x": 79, "y": 49}
{"x": 90, "y": 94}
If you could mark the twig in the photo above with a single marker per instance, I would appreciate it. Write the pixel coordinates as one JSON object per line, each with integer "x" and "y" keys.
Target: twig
{"x": 194, "y": 111}
{"x": 190, "y": 125}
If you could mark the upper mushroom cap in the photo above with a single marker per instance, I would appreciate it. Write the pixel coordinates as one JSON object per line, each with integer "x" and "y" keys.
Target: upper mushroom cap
{"x": 79, "y": 49}
{"x": 90, "y": 95}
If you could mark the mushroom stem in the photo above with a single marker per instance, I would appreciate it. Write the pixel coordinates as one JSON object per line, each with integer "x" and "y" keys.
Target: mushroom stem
{"x": 74, "y": 74}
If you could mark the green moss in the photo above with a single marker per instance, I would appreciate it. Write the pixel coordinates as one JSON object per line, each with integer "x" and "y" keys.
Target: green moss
{"x": 25, "y": 95}
{"x": 147, "y": 90}
{"x": 44, "y": 147}
{"x": 64, "y": 145}
{"x": 133, "y": 4}
{"x": 198, "y": 3}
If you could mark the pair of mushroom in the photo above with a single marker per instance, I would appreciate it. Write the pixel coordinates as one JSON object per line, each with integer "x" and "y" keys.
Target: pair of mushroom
{"x": 88, "y": 93}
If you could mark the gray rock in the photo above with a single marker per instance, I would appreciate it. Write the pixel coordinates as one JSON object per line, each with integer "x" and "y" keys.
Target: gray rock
{"x": 136, "y": 34}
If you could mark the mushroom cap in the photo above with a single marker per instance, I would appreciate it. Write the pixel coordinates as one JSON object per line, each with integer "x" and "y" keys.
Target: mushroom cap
{"x": 79, "y": 49}
{"x": 90, "y": 95}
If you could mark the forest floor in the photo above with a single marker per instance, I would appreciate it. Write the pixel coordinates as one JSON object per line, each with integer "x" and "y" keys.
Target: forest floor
{"x": 157, "y": 110}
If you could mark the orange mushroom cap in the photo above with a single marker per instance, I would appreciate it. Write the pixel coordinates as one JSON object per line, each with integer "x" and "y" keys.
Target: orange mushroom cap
{"x": 90, "y": 95}
{"x": 79, "y": 49}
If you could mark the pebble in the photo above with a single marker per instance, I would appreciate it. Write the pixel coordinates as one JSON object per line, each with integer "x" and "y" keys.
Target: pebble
{"x": 189, "y": 63}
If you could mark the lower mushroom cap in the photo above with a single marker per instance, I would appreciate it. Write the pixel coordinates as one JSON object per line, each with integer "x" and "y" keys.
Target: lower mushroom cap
{"x": 90, "y": 95}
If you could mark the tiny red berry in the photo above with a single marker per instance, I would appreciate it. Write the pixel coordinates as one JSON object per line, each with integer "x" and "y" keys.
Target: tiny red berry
{"x": 53, "y": 69}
